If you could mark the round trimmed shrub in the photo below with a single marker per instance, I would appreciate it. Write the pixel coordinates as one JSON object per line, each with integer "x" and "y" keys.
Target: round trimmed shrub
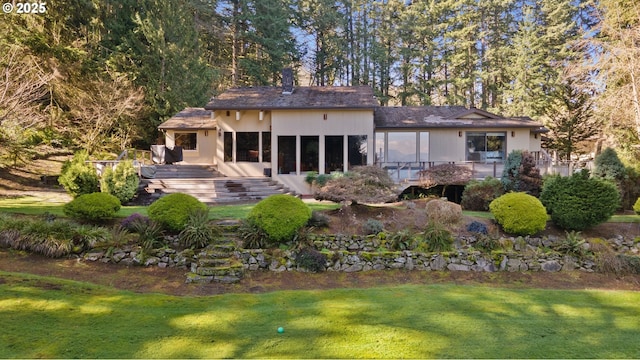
{"x": 172, "y": 211}
{"x": 578, "y": 202}
{"x": 280, "y": 216}
{"x": 519, "y": 213}
{"x": 92, "y": 207}
{"x": 121, "y": 182}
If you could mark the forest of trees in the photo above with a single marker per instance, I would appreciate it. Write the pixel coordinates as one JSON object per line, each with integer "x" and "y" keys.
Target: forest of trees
{"x": 103, "y": 74}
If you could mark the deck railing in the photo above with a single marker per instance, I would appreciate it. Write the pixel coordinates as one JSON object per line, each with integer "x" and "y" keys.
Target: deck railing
{"x": 405, "y": 172}
{"x": 138, "y": 157}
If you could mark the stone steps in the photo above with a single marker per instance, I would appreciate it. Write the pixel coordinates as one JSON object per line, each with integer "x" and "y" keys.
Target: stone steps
{"x": 218, "y": 262}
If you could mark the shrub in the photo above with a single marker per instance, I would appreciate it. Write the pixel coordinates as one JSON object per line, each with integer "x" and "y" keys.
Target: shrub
{"x": 280, "y": 216}
{"x": 364, "y": 184}
{"x": 172, "y": 211}
{"x": 572, "y": 244}
{"x": 436, "y": 238}
{"x": 443, "y": 212}
{"x": 478, "y": 195}
{"x": 372, "y": 227}
{"x": 486, "y": 243}
{"x": 55, "y": 238}
{"x": 629, "y": 188}
{"x": 150, "y": 233}
{"x": 311, "y": 259}
{"x": 519, "y": 213}
{"x": 198, "y": 233}
{"x": 477, "y": 227}
{"x": 520, "y": 173}
{"x": 636, "y": 206}
{"x": 607, "y": 165}
{"x": 121, "y": 182}
{"x": 94, "y": 207}
{"x": 252, "y": 236}
{"x": 402, "y": 240}
{"x": 128, "y": 222}
{"x": 578, "y": 202}
{"x": 79, "y": 177}
{"x": 318, "y": 219}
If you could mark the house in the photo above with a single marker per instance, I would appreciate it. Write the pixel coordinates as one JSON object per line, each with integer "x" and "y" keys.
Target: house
{"x": 285, "y": 133}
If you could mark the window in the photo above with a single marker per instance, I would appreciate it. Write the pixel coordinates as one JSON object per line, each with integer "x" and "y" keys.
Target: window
{"x": 402, "y": 147}
{"x": 486, "y": 146}
{"x": 379, "y": 150}
{"x": 228, "y": 146}
{"x": 357, "y": 147}
{"x": 333, "y": 153}
{"x": 424, "y": 146}
{"x": 266, "y": 147}
{"x": 188, "y": 141}
{"x": 287, "y": 155}
{"x": 309, "y": 153}
{"x": 247, "y": 146}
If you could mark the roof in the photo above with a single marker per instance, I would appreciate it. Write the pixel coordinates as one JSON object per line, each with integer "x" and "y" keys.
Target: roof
{"x": 412, "y": 117}
{"x": 190, "y": 119}
{"x": 310, "y": 97}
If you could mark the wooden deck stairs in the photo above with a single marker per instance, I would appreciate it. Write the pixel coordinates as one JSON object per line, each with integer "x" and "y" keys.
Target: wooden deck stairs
{"x": 206, "y": 184}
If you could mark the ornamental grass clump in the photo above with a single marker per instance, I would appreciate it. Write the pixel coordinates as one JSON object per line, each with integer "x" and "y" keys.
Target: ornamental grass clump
{"x": 172, "y": 211}
{"x": 198, "y": 233}
{"x": 519, "y": 213}
{"x": 280, "y": 217}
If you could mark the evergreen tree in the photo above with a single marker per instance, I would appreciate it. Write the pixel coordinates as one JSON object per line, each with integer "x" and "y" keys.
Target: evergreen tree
{"x": 272, "y": 45}
{"x": 570, "y": 119}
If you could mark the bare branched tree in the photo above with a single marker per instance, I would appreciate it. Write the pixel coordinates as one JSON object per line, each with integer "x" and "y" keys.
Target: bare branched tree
{"x": 23, "y": 91}
{"x": 23, "y": 82}
{"x": 103, "y": 112}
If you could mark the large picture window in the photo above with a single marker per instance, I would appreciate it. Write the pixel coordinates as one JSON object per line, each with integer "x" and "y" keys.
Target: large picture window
{"x": 287, "y": 155}
{"x": 309, "y": 153}
{"x": 266, "y": 147}
{"x": 188, "y": 141}
{"x": 486, "y": 146}
{"x": 247, "y": 146}
{"x": 357, "y": 147}
{"x": 401, "y": 147}
{"x": 333, "y": 153}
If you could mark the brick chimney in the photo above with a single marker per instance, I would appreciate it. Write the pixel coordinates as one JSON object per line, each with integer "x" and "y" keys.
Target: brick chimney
{"x": 287, "y": 81}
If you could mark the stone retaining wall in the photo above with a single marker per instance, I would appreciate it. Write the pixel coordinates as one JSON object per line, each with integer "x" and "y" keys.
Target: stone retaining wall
{"x": 364, "y": 253}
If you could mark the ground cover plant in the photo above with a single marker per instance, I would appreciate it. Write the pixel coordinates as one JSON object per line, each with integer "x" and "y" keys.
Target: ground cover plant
{"x": 409, "y": 321}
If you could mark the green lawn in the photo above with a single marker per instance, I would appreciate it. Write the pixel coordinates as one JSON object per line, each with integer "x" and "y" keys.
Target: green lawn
{"x": 45, "y": 317}
{"x": 32, "y": 205}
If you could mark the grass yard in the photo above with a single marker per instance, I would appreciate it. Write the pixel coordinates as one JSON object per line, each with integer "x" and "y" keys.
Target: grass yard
{"x": 34, "y": 205}
{"x": 51, "y": 318}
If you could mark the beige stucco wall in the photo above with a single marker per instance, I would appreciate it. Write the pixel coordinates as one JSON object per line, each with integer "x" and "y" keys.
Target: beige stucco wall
{"x": 205, "y": 148}
{"x": 446, "y": 145}
{"x": 249, "y": 121}
{"x": 312, "y": 122}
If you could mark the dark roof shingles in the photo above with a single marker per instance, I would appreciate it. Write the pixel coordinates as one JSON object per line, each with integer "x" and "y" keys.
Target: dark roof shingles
{"x": 269, "y": 98}
{"x": 444, "y": 117}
